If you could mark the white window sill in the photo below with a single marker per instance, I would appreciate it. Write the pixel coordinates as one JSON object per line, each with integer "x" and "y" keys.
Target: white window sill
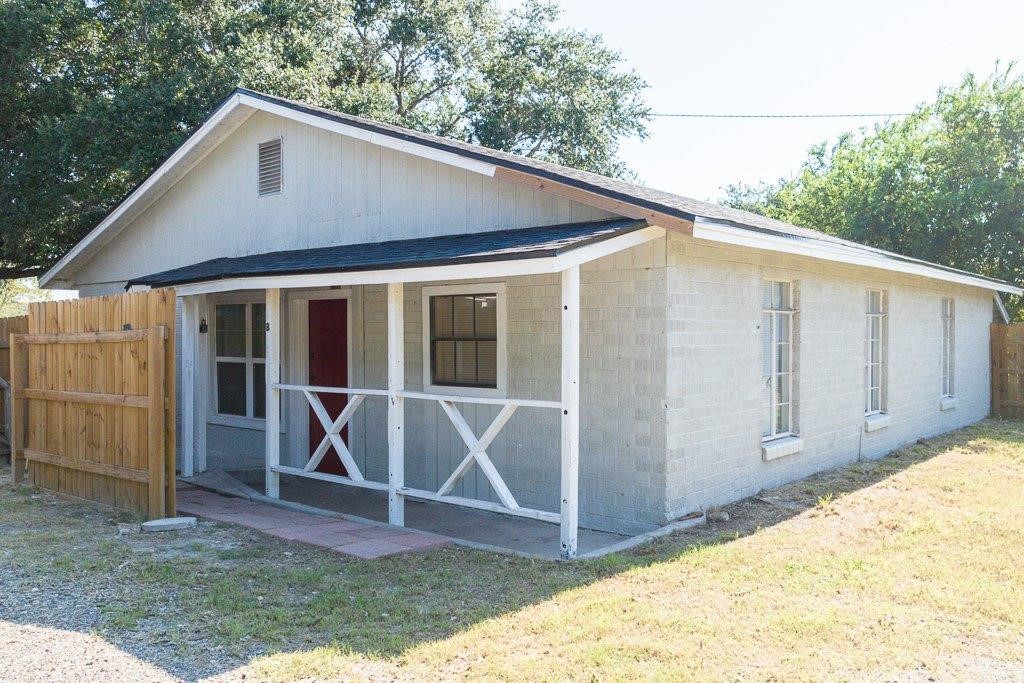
{"x": 781, "y": 447}
{"x": 947, "y": 403}
{"x": 876, "y": 421}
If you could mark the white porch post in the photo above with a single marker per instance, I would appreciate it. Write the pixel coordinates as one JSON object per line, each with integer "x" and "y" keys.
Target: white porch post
{"x": 273, "y": 377}
{"x": 195, "y": 372}
{"x": 570, "y": 410}
{"x": 189, "y": 348}
{"x": 396, "y": 404}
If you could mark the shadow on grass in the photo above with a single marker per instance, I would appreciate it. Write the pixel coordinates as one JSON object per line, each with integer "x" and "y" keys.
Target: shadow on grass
{"x": 217, "y": 597}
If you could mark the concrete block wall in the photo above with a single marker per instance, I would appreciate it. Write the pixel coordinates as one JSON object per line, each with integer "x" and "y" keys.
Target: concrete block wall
{"x": 622, "y": 476}
{"x": 714, "y": 367}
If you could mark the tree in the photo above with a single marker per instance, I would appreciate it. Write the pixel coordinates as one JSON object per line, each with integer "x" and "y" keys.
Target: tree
{"x": 945, "y": 184}
{"x": 99, "y": 92}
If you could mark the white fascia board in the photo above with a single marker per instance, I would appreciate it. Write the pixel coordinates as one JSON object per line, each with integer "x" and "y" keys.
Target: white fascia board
{"x": 466, "y": 271}
{"x": 424, "y": 151}
{"x": 612, "y": 245}
{"x": 144, "y": 194}
{"x": 462, "y": 271}
{"x": 715, "y": 231}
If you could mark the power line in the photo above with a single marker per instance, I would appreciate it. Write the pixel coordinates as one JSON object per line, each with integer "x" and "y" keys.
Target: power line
{"x": 777, "y": 116}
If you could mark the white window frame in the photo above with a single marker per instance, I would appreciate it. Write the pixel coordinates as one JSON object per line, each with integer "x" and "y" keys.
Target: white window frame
{"x": 948, "y": 354}
{"x": 883, "y": 352}
{"x": 248, "y": 420}
{"x": 789, "y": 314}
{"x": 499, "y": 290}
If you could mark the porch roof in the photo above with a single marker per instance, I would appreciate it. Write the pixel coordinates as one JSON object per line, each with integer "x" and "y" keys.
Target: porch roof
{"x": 466, "y": 248}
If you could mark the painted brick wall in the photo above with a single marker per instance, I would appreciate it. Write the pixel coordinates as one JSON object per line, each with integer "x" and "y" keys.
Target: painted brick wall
{"x": 714, "y": 367}
{"x": 622, "y": 477}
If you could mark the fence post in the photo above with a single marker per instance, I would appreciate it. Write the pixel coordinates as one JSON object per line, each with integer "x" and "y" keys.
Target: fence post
{"x": 157, "y": 451}
{"x": 16, "y": 409}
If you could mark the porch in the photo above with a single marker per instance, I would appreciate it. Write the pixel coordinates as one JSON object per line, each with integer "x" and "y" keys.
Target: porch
{"x": 464, "y": 525}
{"x": 386, "y": 439}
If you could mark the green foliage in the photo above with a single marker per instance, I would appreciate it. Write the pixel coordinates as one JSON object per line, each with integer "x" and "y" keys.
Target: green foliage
{"x": 945, "y": 184}
{"x": 99, "y": 92}
{"x": 16, "y": 295}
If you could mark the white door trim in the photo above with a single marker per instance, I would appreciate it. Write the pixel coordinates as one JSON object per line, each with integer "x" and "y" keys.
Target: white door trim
{"x": 298, "y": 368}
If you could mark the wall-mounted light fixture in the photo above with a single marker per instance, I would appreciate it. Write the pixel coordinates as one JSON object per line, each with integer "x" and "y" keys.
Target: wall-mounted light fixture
{"x": 203, "y": 326}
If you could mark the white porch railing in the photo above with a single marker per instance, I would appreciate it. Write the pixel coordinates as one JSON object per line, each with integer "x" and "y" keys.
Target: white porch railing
{"x": 477, "y": 446}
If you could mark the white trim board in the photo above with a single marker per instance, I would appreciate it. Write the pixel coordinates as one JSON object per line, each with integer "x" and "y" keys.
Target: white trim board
{"x": 501, "y": 302}
{"x": 297, "y": 363}
{"x": 715, "y": 231}
{"x": 464, "y": 271}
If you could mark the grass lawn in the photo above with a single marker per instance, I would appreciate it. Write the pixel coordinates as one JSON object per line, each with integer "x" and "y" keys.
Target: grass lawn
{"x": 905, "y": 568}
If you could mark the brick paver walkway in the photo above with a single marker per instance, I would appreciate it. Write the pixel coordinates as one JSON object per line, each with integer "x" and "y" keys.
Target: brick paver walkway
{"x": 341, "y": 535}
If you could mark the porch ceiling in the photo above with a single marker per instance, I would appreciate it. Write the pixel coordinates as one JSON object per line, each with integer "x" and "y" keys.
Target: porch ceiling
{"x": 429, "y": 252}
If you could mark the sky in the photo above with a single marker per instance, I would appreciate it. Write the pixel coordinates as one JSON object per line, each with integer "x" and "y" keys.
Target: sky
{"x": 784, "y": 57}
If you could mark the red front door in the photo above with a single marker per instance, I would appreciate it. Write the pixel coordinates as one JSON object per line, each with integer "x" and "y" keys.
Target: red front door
{"x": 328, "y": 367}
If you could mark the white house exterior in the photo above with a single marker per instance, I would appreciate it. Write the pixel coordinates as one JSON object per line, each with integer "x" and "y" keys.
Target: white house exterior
{"x": 681, "y": 325}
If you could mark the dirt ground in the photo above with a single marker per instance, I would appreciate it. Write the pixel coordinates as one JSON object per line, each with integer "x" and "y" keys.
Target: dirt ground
{"x": 891, "y": 570}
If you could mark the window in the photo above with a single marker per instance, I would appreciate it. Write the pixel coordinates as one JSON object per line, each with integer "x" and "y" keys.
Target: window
{"x": 777, "y": 359}
{"x": 270, "y": 175}
{"x": 240, "y": 356}
{"x": 875, "y": 371}
{"x": 948, "y": 347}
{"x": 464, "y": 340}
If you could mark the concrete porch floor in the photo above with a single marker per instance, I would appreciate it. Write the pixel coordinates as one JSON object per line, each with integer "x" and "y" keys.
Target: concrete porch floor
{"x": 466, "y": 525}
{"x": 518, "y": 534}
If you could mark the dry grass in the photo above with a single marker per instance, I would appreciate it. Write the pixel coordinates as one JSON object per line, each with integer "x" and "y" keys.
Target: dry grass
{"x": 906, "y": 568}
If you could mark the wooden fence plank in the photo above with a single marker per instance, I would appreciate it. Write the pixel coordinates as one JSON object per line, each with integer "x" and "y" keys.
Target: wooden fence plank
{"x": 155, "y": 343}
{"x": 1007, "y": 358}
{"x": 85, "y": 397}
{"x": 98, "y": 392}
{"x": 76, "y": 464}
{"x": 17, "y": 408}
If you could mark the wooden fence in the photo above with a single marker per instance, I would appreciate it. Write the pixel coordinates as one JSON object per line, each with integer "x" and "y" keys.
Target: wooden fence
{"x": 8, "y": 326}
{"x": 93, "y": 387}
{"x": 1008, "y": 370}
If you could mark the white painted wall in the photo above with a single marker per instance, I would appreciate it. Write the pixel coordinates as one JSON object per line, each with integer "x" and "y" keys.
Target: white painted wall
{"x": 337, "y": 190}
{"x": 714, "y": 367}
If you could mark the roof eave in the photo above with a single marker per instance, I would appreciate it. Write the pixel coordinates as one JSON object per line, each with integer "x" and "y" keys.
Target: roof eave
{"x": 715, "y": 230}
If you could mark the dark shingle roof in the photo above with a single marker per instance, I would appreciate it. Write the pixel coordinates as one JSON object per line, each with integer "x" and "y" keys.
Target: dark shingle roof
{"x": 500, "y": 245}
{"x": 636, "y": 195}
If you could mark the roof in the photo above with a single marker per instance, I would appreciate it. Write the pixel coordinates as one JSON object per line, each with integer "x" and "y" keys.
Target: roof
{"x": 486, "y": 160}
{"x": 479, "y": 247}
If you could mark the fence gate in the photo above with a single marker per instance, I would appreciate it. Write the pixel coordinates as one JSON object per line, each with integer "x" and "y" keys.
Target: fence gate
{"x": 92, "y": 382}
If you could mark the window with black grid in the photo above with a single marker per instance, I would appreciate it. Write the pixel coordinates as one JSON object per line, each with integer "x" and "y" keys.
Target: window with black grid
{"x": 464, "y": 340}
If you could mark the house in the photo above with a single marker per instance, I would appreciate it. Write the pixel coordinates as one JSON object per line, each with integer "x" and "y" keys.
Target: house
{"x": 385, "y": 309}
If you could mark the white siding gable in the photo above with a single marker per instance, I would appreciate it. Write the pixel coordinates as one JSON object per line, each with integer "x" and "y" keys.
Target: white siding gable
{"x": 339, "y": 190}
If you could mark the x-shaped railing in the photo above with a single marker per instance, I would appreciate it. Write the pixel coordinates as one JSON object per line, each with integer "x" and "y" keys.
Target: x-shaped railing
{"x": 332, "y": 433}
{"x": 477, "y": 446}
{"x": 478, "y": 452}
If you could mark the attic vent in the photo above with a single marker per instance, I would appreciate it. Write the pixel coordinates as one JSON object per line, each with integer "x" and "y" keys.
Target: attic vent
{"x": 270, "y": 173}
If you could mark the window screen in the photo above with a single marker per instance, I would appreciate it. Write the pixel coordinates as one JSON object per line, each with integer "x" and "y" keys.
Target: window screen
{"x": 464, "y": 340}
